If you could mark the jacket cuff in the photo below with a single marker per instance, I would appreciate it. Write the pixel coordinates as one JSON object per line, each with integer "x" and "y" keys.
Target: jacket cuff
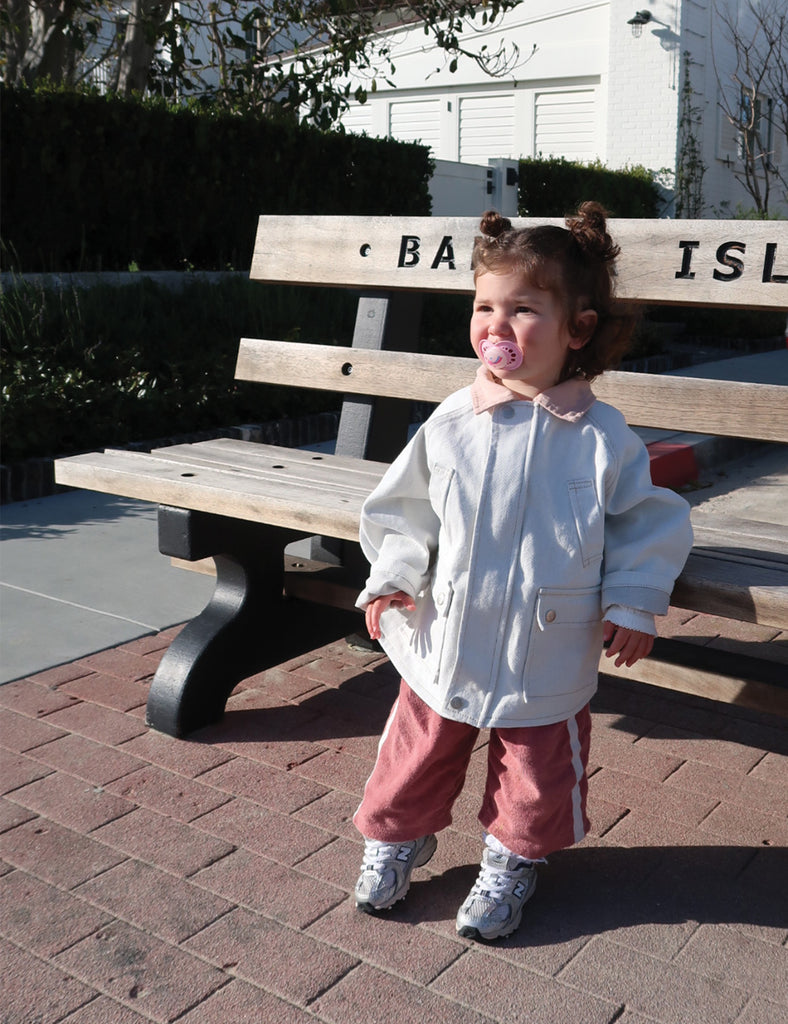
{"x": 649, "y": 593}
{"x": 631, "y": 618}
{"x": 379, "y": 584}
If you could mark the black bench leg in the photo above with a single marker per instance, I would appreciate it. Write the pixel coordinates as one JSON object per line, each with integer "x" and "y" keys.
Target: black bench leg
{"x": 240, "y": 630}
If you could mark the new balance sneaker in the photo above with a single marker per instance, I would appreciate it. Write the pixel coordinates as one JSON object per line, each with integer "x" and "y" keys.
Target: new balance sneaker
{"x": 495, "y": 903}
{"x": 386, "y": 870}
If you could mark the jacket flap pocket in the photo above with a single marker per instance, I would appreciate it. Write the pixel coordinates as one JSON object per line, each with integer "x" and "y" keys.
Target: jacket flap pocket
{"x": 567, "y": 608}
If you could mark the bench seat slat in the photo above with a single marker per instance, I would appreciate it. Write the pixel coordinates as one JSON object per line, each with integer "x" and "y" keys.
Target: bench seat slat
{"x": 715, "y": 528}
{"x": 704, "y": 677}
{"x": 715, "y": 586}
{"x": 243, "y": 457}
{"x": 741, "y": 540}
{"x": 284, "y": 476}
{"x": 743, "y": 556}
{"x": 725, "y": 408}
{"x": 299, "y": 504}
{"x": 408, "y": 375}
{"x": 719, "y": 407}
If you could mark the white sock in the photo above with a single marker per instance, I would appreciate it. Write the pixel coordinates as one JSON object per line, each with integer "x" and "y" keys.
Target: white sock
{"x": 497, "y": 847}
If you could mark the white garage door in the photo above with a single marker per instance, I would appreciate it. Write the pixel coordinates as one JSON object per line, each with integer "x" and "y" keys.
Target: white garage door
{"x": 565, "y": 124}
{"x": 416, "y": 121}
{"x": 487, "y": 127}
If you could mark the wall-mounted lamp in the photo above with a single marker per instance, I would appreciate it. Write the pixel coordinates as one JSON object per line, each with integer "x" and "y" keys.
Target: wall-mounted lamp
{"x": 641, "y": 18}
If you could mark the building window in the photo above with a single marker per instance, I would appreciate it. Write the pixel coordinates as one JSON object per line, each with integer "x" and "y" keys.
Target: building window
{"x": 756, "y": 139}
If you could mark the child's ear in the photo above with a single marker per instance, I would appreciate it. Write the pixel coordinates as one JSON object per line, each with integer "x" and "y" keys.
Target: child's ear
{"x": 585, "y": 325}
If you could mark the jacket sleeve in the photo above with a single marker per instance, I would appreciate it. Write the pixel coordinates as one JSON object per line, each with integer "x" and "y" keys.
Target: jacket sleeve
{"x": 647, "y": 533}
{"x": 399, "y": 527}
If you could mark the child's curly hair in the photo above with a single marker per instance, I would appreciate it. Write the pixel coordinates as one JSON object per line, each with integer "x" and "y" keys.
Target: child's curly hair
{"x": 576, "y": 264}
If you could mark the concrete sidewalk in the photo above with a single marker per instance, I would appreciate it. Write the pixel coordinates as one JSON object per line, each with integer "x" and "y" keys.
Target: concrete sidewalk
{"x": 80, "y": 572}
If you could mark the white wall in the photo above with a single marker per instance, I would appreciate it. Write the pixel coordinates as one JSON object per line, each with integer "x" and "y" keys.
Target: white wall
{"x": 550, "y": 102}
{"x": 643, "y": 82}
{"x": 590, "y": 91}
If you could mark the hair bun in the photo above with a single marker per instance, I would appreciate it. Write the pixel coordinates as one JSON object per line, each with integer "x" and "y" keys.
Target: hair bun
{"x": 493, "y": 225}
{"x": 589, "y": 230}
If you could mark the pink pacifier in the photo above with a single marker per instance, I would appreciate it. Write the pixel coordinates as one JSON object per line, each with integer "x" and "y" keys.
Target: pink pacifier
{"x": 501, "y": 355}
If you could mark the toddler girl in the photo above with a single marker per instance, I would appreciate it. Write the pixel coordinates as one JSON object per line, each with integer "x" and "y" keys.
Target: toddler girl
{"x": 516, "y": 532}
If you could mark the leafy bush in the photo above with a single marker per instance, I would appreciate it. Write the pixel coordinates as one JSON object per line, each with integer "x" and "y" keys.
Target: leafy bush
{"x": 94, "y": 182}
{"x": 554, "y": 186}
{"x": 107, "y": 366}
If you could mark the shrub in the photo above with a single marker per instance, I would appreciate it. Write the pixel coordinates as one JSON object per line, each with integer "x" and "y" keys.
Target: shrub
{"x": 554, "y": 186}
{"x": 94, "y": 182}
{"x": 107, "y": 366}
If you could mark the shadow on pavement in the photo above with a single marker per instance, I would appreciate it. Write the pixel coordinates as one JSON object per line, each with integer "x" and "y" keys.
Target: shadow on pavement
{"x": 590, "y": 890}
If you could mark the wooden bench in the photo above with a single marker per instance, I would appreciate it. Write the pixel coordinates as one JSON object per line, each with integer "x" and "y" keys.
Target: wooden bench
{"x": 243, "y": 503}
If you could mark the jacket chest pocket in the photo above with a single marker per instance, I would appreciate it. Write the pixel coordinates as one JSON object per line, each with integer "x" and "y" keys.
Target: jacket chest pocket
{"x": 440, "y": 484}
{"x": 589, "y": 521}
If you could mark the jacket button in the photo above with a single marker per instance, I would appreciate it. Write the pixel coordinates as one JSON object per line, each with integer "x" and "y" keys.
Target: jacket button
{"x": 550, "y": 616}
{"x": 440, "y": 599}
{"x": 457, "y": 703}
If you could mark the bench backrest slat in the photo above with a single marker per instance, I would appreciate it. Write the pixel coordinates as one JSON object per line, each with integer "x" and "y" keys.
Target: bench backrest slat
{"x": 673, "y": 262}
{"x": 727, "y": 408}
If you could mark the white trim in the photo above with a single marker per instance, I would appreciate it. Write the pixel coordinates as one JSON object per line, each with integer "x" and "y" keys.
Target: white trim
{"x": 579, "y": 770}
{"x": 381, "y": 741}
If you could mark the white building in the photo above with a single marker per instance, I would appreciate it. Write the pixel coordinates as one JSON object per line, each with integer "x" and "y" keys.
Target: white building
{"x": 594, "y": 88}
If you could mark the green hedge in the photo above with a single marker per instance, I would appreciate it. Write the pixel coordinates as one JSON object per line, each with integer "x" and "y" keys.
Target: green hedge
{"x": 92, "y": 182}
{"x": 554, "y": 187}
{"x": 87, "y": 368}
{"x": 90, "y": 368}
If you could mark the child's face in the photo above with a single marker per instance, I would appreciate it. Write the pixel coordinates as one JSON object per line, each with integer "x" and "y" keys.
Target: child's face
{"x": 520, "y": 320}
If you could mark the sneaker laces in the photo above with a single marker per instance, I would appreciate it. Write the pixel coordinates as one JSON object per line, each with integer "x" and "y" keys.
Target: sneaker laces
{"x": 498, "y": 881}
{"x": 377, "y": 854}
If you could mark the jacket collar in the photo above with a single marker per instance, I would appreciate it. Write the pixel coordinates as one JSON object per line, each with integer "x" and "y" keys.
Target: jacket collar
{"x": 569, "y": 400}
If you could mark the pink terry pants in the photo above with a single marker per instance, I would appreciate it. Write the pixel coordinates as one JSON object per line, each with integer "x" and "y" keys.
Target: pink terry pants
{"x": 535, "y": 795}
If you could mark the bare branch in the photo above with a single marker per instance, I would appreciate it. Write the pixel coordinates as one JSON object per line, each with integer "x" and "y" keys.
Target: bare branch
{"x": 756, "y": 108}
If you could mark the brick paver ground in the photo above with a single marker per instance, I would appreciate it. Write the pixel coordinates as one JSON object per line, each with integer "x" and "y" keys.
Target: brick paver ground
{"x": 209, "y": 880}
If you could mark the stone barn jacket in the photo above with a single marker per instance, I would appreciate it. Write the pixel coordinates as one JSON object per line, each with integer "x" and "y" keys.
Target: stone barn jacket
{"x": 517, "y": 526}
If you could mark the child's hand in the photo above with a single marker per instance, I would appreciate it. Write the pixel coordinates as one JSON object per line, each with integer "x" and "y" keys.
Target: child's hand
{"x": 629, "y": 644}
{"x": 380, "y": 604}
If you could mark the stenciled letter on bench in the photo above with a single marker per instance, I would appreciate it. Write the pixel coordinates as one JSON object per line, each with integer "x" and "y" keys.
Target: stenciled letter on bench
{"x": 769, "y": 275}
{"x": 685, "y": 271}
{"x": 724, "y": 257}
{"x": 409, "y": 251}
{"x": 445, "y": 253}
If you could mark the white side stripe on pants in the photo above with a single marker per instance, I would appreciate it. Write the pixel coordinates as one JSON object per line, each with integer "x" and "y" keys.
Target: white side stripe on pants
{"x": 381, "y": 741}
{"x": 577, "y": 765}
